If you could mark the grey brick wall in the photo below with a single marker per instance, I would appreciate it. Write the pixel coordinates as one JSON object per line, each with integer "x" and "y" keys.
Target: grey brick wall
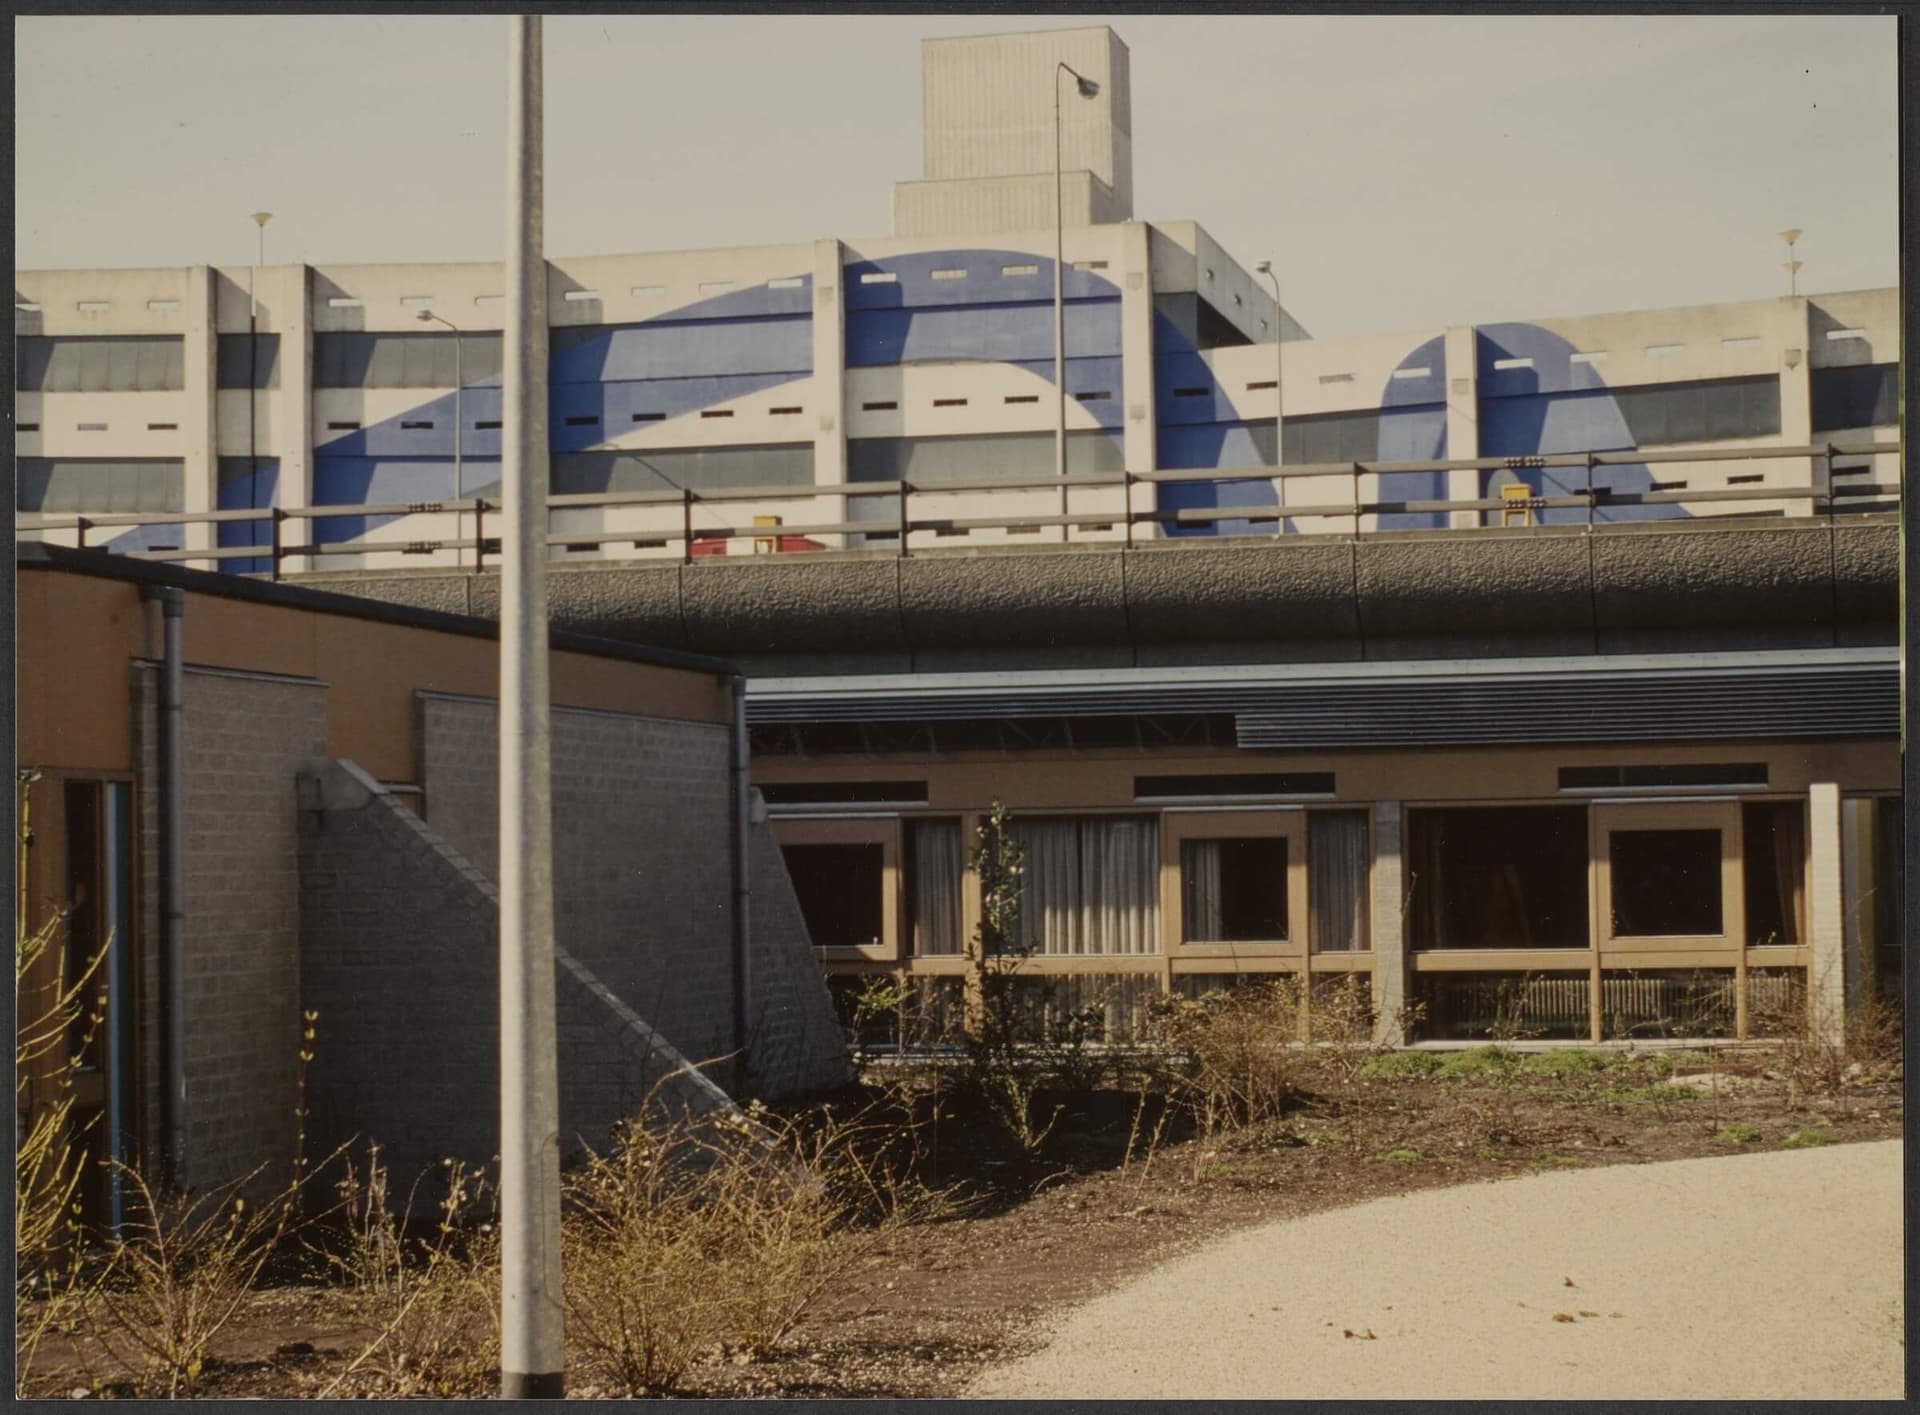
{"x": 642, "y": 848}
{"x": 399, "y": 956}
{"x": 246, "y": 741}
{"x": 795, "y": 1044}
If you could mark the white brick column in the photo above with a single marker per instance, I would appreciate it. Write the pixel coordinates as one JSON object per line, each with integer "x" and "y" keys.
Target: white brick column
{"x": 1826, "y": 915}
{"x": 1463, "y": 420}
{"x": 201, "y": 416}
{"x": 292, "y": 403}
{"x": 1139, "y": 430}
{"x": 828, "y": 402}
{"x": 1392, "y": 962}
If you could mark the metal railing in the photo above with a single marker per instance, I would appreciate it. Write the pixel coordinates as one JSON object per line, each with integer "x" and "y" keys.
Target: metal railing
{"x": 1822, "y": 493}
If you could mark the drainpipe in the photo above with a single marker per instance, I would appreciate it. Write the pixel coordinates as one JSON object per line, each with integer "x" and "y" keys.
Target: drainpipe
{"x": 742, "y": 885}
{"x": 173, "y": 873}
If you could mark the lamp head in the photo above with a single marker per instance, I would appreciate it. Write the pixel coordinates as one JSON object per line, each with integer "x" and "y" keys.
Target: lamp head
{"x": 424, "y": 316}
{"x": 1265, "y": 267}
{"x": 1791, "y": 235}
{"x": 1088, "y": 88}
{"x": 261, "y": 218}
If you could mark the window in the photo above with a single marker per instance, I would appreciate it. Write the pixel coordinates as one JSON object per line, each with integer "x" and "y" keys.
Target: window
{"x": 580, "y": 297}
{"x": 881, "y": 407}
{"x": 1860, "y": 395}
{"x": 1233, "y": 891}
{"x": 786, "y": 282}
{"x": 707, "y": 413}
{"x": 163, "y": 427}
{"x": 935, "y": 871}
{"x": 248, "y": 361}
{"x": 1497, "y": 877}
{"x": 96, "y": 306}
{"x": 1773, "y": 842}
{"x": 52, "y": 487}
{"x": 845, "y": 876}
{"x": 1512, "y": 363}
{"x": 99, "y": 363}
{"x": 949, "y": 402}
{"x": 1227, "y": 785}
{"x": 411, "y": 360}
{"x": 779, "y": 412}
{"x": 1663, "y": 776}
{"x": 415, "y": 302}
{"x": 845, "y": 793}
{"x": 1665, "y": 883}
{"x": 416, "y": 425}
{"x": 1338, "y": 906}
{"x": 1090, "y": 884}
{"x": 342, "y": 302}
{"x": 840, "y": 888}
{"x": 880, "y": 277}
{"x": 948, "y": 274}
{"x": 584, "y": 420}
{"x": 1022, "y": 398}
{"x": 649, "y": 417}
{"x": 1096, "y": 397}
{"x": 1336, "y": 378}
{"x": 715, "y": 287}
{"x": 1019, "y": 270}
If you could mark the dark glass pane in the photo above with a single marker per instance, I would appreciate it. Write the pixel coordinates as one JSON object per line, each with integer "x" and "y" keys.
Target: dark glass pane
{"x": 1665, "y": 883}
{"x": 1235, "y": 891}
{"x": 839, "y": 888}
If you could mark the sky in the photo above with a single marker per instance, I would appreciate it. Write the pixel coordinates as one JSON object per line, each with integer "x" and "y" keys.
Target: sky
{"x": 1402, "y": 172}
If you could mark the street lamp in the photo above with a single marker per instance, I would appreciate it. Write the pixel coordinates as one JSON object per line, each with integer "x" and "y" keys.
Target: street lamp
{"x": 1265, "y": 268}
{"x": 1791, "y": 236}
{"x": 1087, "y": 88}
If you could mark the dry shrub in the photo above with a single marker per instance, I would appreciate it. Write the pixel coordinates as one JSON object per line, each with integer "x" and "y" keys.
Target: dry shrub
{"x": 181, "y": 1270}
{"x": 51, "y": 1278}
{"x": 431, "y": 1299}
{"x": 725, "y": 1231}
{"x": 1238, "y": 1061}
{"x": 1340, "y": 1021}
{"x": 1869, "y": 1050}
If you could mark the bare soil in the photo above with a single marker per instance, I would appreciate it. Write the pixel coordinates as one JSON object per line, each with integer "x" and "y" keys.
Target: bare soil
{"x": 941, "y": 1301}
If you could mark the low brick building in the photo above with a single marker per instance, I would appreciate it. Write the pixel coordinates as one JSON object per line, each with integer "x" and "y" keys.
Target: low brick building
{"x": 335, "y": 818}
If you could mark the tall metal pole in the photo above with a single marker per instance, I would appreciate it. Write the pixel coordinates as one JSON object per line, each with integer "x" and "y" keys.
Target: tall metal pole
{"x": 1059, "y": 312}
{"x": 531, "y": 1359}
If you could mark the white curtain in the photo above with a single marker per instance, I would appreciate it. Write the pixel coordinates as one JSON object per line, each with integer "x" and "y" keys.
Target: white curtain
{"x": 1090, "y": 885}
{"x": 936, "y": 865}
{"x": 1337, "y": 883}
{"x": 1200, "y": 890}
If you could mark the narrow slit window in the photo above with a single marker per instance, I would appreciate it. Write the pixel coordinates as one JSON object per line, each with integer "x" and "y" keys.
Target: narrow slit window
{"x": 26, "y": 307}
{"x": 418, "y": 425}
{"x": 583, "y": 422}
{"x": 343, "y": 427}
{"x": 93, "y": 306}
{"x": 488, "y": 299}
{"x": 1336, "y": 378}
{"x": 1591, "y": 356}
{"x": 1743, "y": 342}
{"x": 716, "y": 412}
{"x": 1746, "y": 478}
{"x": 949, "y": 402}
{"x": 163, "y": 427}
{"x": 1661, "y": 351}
{"x": 1405, "y": 373}
{"x": 488, "y": 424}
{"x": 715, "y": 287}
{"x": 1023, "y": 398}
{"x": 1667, "y": 486}
{"x": 1097, "y": 396}
{"x": 342, "y": 302}
{"x": 1089, "y": 265}
{"x": 880, "y": 277}
{"x": 1512, "y": 363}
{"x": 1832, "y": 334}
{"x": 93, "y": 427}
{"x": 785, "y": 412}
{"x": 581, "y": 297}
{"x": 646, "y": 292}
{"x": 29, "y": 427}
{"x": 1023, "y": 530}
{"x": 886, "y": 407}
{"x": 1189, "y": 392}
{"x": 786, "y": 282}
{"x": 1261, "y": 384}
{"x": 649, "y": 417}
{"x": 949, "y": 274}
{"x": 416, "y": 302}
{"x": 1019, "y": 270}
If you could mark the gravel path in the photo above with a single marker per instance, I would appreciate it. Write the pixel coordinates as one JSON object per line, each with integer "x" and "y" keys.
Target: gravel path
{"x": 1760, "y": 1276}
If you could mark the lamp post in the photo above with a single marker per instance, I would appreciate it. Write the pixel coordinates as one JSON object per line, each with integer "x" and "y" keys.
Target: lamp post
{"x": 1265, "y": 268}
{"x": 459, "y": 428}
{"x": 532, "y": 1350}
{"x": 1791, "y": 236}
{"x": 1087, "y": 88}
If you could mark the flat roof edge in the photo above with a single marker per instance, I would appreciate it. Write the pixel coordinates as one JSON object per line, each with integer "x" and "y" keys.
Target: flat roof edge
{"x": 36, "y": 555}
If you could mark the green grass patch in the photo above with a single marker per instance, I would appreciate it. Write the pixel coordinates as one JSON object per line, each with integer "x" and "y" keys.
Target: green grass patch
{"x": 1741, "y": 1134}
{"x": 1401, "y": 1065}
{"x": 1578, "y": 1062}
{"x": 1403, "y": 1157}
{"x": 1481, "y": 1061}
{"x": 1806, "y": 1140}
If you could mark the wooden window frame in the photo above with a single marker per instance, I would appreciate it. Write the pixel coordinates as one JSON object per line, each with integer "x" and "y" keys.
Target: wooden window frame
{"x": 1179, "y": 826}
{"x": 1670, "y": 950}
{"x": 863, "y": 830}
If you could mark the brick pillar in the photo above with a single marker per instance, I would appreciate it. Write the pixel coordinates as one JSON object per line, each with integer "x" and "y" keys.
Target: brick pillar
{"x": 1826, "y": 914}
{"x": 1392, "y": 965}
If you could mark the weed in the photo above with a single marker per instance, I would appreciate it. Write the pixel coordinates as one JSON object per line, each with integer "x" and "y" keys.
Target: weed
{"x": 1649, "y": 1095}
{"x": 1806, "y": 1140}
{"x": 1401, "y": 1065}
{"x": 1496, "y": 1061}
{"x": 1576, "y": 1062}
{"x": 1403, "y": 1157}
{"x": 1739, "y": 1133}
